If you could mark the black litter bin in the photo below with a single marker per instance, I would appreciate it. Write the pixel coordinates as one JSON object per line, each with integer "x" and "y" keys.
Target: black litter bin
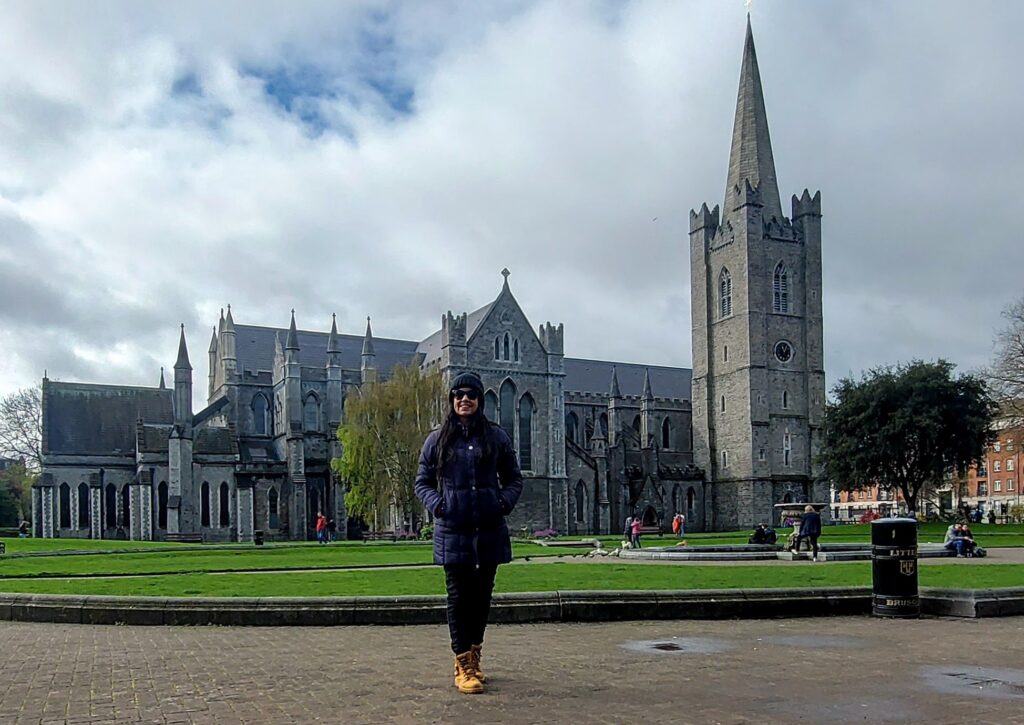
{"x": 257, "y": 537}
{"x": 894, "y": 568}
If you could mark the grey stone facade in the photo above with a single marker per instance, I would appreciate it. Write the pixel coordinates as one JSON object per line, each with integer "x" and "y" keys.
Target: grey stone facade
{"x": 598, "y": 441}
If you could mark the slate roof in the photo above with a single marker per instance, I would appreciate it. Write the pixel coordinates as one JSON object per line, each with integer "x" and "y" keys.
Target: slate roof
{"x": 254, "y": 349}
{"x": 100, "y": 419}
{"x": 214, "y": 440}
{"x": 154, "y": 438}
{"x": 595, "y": 376}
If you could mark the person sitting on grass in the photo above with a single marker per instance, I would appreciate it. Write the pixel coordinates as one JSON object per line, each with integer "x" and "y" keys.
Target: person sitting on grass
{"x": 959, "y": 539}
{"x": 758, "y": 536}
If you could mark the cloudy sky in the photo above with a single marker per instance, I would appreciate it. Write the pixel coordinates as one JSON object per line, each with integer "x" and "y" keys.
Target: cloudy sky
{"x": 161, "y": 160}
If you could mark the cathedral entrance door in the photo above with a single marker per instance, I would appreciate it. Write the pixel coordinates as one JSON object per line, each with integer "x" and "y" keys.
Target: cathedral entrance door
{"x": 650, "y": 517}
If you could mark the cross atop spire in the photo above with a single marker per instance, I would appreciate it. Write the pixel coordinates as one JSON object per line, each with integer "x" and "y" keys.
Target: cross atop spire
{"x": 163, "y": 385}
{"x": 505, "y": 273}
{"x": 750, "y": 157}
{"x": 182, "y": 362}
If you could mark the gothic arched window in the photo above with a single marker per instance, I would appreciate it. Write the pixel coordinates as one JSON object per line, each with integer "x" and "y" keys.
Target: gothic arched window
{"x": 491, "y": 406}
{"x": 666, "y": 434}
{"x": 110, "y": 503}
{"x": 83, "y": 506}
{"x": 581, "y": 502}
{"x": 204, "y": 505}
{"x": 497, "y": 348}
{"x": 259, "y": 415}
{"x": 273, "y": 518}
{"x": 65, "y": 506}
{"x": 225, "y": 504}
{"x": 504, "y": 347}
{"x": 161, "y": 505}
{"x": 508, "y": 408}
{"x": 311, "y": 413}
{"x": 126, "y": 506}
{"x": 603, "y": 423}
{"x": 572, "y": 426}
{"x": 526, "y": 432}
{"x": 515, "y": 349}
{"x": 725, "y": 293}
{"x": 780, "y": 289}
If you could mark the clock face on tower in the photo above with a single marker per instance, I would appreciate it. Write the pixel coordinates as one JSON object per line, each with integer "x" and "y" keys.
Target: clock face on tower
{"x": 783, "y": 351}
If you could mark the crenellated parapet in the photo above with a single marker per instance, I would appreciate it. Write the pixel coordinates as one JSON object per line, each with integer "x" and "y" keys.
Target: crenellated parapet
{"x": 806, "y": 205}
{"x": 552, "y": 338}
{"x": 704, "y": 219}
{"x": 453, "y": 329}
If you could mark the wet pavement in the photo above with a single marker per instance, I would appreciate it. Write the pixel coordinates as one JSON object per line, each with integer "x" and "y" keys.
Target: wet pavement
{"x": 823, "y": 670}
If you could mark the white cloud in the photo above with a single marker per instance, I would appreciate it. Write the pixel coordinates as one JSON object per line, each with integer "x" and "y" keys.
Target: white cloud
{"x": 147, "y": 177}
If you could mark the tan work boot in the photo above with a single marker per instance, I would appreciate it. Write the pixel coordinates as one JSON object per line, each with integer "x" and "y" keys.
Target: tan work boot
{"x": 475, "y": 649}
{"x": 466, "y": 678}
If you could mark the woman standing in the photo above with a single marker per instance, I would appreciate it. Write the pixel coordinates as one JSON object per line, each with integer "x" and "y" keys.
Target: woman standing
{"x": 469, "y": 479}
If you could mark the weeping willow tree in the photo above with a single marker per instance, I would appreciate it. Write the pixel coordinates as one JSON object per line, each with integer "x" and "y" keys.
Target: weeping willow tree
{"x": 384, "y": 428}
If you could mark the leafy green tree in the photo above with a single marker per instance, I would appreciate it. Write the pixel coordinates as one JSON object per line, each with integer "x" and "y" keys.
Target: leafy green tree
{"x": 905, "y": 428}
{"x": 383, "y": 431}
{"x": 16, "y": 481}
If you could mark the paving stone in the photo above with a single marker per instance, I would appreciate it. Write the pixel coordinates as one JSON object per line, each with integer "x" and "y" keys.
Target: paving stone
{"x": 840, "y": 669}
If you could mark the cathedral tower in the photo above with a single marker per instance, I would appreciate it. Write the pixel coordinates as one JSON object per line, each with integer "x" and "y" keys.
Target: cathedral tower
{"x": 758, "y": 372}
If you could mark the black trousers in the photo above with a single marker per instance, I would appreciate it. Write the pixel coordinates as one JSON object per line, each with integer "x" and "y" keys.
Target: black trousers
{"x": 812, "y": 543}
{"x": 469, "y": 601}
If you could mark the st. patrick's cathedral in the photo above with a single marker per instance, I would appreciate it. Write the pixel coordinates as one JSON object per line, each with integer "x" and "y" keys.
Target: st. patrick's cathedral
{"x": 597, "y": 440}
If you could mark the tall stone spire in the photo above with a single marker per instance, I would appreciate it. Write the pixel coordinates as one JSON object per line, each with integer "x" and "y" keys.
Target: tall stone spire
{"x": 292, "y": 343}
{"x": 614, "y": 391}
{"x": 332, "y": 339}
{"x": 182, "y": 362}
{"x": 750, "y": 158}
{"x": 163, "y": 385}
{"x": 368, "y": 339}
{"x": 647, "y": 395}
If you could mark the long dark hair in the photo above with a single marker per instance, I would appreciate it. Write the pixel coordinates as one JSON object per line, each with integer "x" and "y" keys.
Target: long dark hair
{"x": 478, "y": 425}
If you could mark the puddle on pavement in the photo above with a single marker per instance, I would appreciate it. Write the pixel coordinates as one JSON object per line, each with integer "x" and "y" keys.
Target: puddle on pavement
{"x": 817, "y": 641}
{"x": 680, "y": 645}
{"x": 854, "y": 709}
{"x": 986, "y": 682}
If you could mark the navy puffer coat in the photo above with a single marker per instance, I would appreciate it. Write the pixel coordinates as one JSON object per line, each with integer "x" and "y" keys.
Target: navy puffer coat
{"x": 470, "y": 497}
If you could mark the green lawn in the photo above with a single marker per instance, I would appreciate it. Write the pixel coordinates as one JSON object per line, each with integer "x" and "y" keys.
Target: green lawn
{"x": 523, "y": 578}
{"x": 196, "y": 559}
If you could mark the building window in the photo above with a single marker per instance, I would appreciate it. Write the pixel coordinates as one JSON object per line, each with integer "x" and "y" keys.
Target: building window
{"x": 1009, "y": 464}
{"x": 497, "y": 348}
{"x": 996, "y": 447}
{"x": 581, "y": 502}
{"x": 126, "y": 506}
{"x": 110, "y": 503}
{"x": 161, "y": 505}
{"x": 259, "y": 415}
{"x": 725, "y": 353}
{"x": 666, "y": 434}
{"x": 1009, "y": 484}
{"x": 998, "y": 486}
{"x": 83, "y": 506}
{"x": 723, "y": 403}
{"x": 504, "y": 348}
{"x": 515, "y": 349}
{"x": 725, "y": 459}
{"x": 785, "y": 399}
{"x": 572, "y": 426}
{"x": 311, "y": 413}
{"x": 787, "y": 449}
{"x": 982, "y": 489}
{"x": 997, "y": 466}
{"x": 780, "y": 289}
{"x": 603, "y": 423}
{"x": 273, "y": 518}
{"x": 65, "y": 506}
{"x": 508, "y": 408}
{"x": 526, "y": 432}
{"x": 725, "y": 293}
{"x": 204, "y": 505}
{"x": 761, "y": 455}
{"x": 1009, "y": 444}
{"x": 225, "y": 504}
{"x": 491, "y": 406}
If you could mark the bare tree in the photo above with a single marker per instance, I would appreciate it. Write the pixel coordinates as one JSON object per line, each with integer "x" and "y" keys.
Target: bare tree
{"x": 21, "y": 427}
{"x": 1006, "y": 373}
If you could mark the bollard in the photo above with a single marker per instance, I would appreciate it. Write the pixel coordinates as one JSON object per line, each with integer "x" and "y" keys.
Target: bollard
{"x": 894, "y": 568}
{"x": 257, "y": 537}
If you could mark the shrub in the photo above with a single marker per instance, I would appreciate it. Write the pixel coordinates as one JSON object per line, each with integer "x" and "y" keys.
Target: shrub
{"x": 426, "y": 532}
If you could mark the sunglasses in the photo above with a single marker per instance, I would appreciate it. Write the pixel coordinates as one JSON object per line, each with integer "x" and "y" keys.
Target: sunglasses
{"x": 470, "y": 394}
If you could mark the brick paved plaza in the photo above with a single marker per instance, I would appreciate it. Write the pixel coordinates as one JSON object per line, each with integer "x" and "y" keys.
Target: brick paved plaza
{"x": 852, "y": 669}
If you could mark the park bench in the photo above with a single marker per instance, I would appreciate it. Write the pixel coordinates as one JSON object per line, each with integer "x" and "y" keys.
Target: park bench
{"x": 185, "y": 538}
{"x": 650, "y": 531}
{"x": 380, "y": 536}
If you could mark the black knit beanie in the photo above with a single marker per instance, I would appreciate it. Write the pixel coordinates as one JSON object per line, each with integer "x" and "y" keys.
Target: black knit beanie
{"x": 468, "y": 380}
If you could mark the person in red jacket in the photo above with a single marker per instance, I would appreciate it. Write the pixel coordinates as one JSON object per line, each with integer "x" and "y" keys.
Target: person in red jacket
{"x": 321, "y": 527}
